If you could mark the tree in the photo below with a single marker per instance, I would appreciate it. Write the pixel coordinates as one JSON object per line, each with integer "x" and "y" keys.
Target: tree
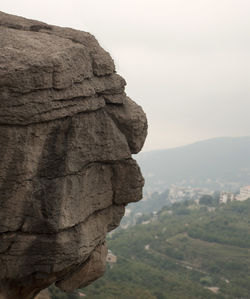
{"x": 206, "y": 200}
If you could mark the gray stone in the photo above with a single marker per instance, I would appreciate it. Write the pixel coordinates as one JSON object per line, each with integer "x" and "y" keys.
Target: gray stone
{"x": 67, "y": 132}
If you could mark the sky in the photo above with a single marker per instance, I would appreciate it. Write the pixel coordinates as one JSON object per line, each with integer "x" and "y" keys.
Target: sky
{"x": 187, "y": 63}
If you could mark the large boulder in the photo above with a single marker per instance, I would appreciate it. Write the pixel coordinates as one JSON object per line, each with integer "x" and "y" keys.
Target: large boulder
{"x": 67, "y": 132}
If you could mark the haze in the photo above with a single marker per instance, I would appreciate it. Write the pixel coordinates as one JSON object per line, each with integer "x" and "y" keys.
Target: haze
{"x": 186, "y": 62}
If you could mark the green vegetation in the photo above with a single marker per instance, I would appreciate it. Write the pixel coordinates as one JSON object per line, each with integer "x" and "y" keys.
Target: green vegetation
{"x": 208, "y": 200}
{"x": 187, "y": 251}
{"x": 55, "y": 293}
{"x": 229, "y": 225}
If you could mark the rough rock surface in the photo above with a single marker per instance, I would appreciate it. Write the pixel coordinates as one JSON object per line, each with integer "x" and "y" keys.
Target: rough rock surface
{"x": 67, "y": 132}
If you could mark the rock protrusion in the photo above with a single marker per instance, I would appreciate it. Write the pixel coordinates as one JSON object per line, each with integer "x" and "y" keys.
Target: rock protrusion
{"x": 67, "y": 132}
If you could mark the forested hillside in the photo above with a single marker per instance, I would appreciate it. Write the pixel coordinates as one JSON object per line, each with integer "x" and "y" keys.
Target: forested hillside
{"x": 187, "y": 252}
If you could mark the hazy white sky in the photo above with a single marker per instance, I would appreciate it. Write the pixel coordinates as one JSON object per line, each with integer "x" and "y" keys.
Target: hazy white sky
{"x": 186, "y": 62}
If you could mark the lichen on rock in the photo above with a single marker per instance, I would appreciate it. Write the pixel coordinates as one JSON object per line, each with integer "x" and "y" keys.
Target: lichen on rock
{"x": 67, "y": 132}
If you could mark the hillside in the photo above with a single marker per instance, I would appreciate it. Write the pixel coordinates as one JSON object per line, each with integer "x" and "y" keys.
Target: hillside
{"x": 186, "y": 252}
{"x": 220, "y": 163}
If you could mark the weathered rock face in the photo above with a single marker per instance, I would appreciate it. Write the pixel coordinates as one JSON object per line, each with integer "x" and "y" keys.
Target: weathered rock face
{"x": 67, "y": 131}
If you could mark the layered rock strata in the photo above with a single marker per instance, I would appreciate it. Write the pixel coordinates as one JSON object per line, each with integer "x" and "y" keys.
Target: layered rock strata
{"x": 67, "y": 132}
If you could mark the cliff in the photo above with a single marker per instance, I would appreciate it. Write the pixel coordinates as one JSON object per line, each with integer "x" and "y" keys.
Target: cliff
{"x": 67, "y": 132}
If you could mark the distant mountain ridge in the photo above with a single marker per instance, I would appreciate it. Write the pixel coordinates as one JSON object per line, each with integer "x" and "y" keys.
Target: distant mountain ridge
{"x": 219, "y": 163}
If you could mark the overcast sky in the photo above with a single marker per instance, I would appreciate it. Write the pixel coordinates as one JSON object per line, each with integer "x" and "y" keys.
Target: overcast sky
{"x": 187, "y": 62}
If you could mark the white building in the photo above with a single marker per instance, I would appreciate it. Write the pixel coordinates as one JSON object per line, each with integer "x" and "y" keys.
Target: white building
{"x": 227, "y": 197}
{"x": 244, "y": 193}
{"x": 111, "y": 258}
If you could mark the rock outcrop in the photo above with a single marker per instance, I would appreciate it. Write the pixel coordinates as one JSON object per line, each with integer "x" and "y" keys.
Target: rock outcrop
{"x": 67, "y": 132}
